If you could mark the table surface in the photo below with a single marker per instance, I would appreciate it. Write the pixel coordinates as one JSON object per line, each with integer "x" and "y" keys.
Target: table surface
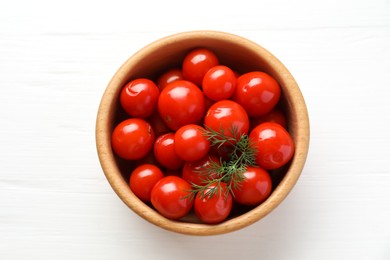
{"x": 56, "y": 59}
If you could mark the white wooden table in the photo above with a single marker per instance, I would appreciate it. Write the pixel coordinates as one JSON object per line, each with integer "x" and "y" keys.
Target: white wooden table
{"x": 56, "y": 58}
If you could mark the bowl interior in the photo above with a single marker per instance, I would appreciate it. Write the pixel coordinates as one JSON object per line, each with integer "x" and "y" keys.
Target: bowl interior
{"x": 235, "y": 52}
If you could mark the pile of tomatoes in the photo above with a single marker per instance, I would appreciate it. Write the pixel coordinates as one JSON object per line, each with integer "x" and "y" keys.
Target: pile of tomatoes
{"x": 164, "y": 135}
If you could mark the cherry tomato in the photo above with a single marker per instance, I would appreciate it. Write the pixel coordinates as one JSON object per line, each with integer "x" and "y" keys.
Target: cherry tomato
{"x": 164, "y": 151}
{"x": 198, "y": 171}
{"x": 168, "y": 77}
{"x": 142, "y": 180}
{"x": 275, "y": 116}
{"x": 257, "y": 92}
{"x": 226, "y": 115}
{"x": 171, "y": 197}
{"x": 255, "y": 188}
{"x": 196, "y": 63}
{"x": 139, "y": 97}
{"x": 181, "y": 103}
{"x": 219, "y": 83}
{"x": 132, "y": 139}
{"x": 190, "y": 143}
{"x": 274, "y": 144}
{"x": 215, "y": 209}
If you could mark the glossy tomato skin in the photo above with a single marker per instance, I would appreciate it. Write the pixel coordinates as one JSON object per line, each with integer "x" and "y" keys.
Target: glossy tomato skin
{"x": 257, "y": 92}
{"x": 171, "y": 197}
{"x": 274, "y": 144}
{"x": 132, "y": 139}
{"x": 164, "y": 152}
{"x": 196, "y": 63}
{"x": 181, "y": 103}
{"x": 255, "y": 188}
{"x": 139, "y": 97}
{"x": 219, "y": 83}
{"x": 190, "y": 143}
{"x": 225, "y": 115}
{"x": 276, "y": 116}
{"x": 215, "y": 209}
{"x": 168, "y": 77}
{"x": 142, "y": 180}
{"x": 196, "y": 172}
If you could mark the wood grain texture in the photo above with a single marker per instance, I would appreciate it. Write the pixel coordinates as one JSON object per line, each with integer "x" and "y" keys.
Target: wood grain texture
{"x": 55, "y": 62}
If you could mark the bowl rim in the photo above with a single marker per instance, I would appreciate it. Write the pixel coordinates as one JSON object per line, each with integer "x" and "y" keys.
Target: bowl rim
{"x": 120, "y": 186}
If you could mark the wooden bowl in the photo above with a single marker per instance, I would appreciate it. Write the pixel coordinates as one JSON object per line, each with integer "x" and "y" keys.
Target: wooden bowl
{"x": 236, "y": 52}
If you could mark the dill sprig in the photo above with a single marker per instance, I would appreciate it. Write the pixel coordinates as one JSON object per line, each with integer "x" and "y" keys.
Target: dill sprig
{"x": 241, "y": 155}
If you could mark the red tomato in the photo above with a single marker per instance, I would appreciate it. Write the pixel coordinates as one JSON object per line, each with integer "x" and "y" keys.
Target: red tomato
{"x": 168, "y": 77}
{"x": 139, "y": 97}
{"x": 275, "y": 116}
{"x": 215, "y": 209}
{"x": 257, "y": 92}
{"x": 181, "y": 103}
{"x": 197, "y": 172}
{"x": 142, "y": 180}
{"x": 171, "y": 197}
{"x": 197, "y": 63}
{"x": 219, "y": 83}
{"x": 132, "y": 139}
{"x": 190, "y": 143}
{"x": 164, "y": 151}
{"x": 255, "y": 188}
{"x": 226, "y": 115}
{"x": 274, "y": 144}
